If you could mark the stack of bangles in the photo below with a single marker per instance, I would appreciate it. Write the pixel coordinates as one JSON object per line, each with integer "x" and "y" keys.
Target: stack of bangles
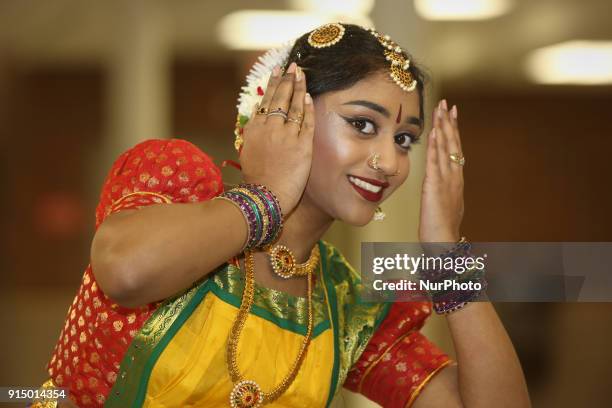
{"x": 260, "y": 209}
{"x": 471, "y": 283}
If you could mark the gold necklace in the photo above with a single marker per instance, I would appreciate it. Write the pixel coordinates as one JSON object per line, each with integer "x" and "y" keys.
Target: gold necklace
{"x": 284, "y": 264}
{"x": 247, "y": 393}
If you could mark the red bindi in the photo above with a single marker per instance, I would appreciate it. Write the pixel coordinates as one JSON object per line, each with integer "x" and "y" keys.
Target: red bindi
{"x": 399, "y": 115}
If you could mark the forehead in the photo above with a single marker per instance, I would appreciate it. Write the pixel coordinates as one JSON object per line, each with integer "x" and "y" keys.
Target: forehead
{"x": 379, "y": 88}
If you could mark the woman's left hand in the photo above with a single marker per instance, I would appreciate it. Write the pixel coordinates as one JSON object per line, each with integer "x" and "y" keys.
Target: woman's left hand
{"x": 442, "y": 197}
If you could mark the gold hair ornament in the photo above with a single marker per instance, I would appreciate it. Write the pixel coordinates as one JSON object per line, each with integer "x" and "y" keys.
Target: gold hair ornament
{"x": 399, "y": 63}
{"x": 326, "y": 35}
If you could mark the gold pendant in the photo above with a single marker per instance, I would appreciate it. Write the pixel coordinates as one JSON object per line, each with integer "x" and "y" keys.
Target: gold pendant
{"x": 246, "y": 394}
{"x": 283, "y": 261}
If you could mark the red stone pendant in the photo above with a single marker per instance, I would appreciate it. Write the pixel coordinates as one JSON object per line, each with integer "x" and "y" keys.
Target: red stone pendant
{"x": 283, "y": 261}
{"x": 246, "y": 394}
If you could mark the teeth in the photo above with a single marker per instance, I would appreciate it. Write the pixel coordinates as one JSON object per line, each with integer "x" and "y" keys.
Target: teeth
{"x": 365, "y": 185}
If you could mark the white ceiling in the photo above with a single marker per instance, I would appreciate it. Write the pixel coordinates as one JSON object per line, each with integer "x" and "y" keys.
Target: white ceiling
{"x": 85, "y": 31}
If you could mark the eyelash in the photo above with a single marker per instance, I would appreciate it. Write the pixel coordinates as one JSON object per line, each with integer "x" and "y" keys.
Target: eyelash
{"x": 413, "y": 139}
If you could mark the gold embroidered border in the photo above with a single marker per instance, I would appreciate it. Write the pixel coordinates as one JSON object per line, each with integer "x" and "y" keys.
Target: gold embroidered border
{"x": 166, "y": 199}
{"x": 375, "y": 362}
{"x": 46, "y": 403}
{"x": 425, "y": 381}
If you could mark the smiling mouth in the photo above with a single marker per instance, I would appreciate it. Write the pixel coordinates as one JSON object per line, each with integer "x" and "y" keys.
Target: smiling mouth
{"x": 367, "y": 190}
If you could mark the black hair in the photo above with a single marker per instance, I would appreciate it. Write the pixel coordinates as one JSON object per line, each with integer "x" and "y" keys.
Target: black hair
{"x": 357, "y": 55}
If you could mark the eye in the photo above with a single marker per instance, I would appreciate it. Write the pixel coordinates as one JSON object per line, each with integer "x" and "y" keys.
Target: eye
{"x": 363, "y": 125}
{"x": 404, "y": 140}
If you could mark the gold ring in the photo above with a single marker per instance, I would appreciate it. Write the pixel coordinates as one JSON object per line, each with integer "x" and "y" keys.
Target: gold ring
{"x": 262, "y": 111}
{"x": 296, "y": 121}
{"x": 457, "y": 158}
{"x": 279, "y": 110}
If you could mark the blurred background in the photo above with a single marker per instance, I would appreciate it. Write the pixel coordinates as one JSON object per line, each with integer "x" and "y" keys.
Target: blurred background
{"x": 83, "y": 80}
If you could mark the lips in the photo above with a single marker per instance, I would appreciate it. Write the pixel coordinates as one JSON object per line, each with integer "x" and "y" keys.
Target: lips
{"x": 364, "y": 189}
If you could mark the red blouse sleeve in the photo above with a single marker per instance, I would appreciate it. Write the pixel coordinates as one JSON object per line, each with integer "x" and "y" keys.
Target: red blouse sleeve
{"x": 398, "y": 361}
{"x": 158, "y": 171}
{"x": 97, "y": 332}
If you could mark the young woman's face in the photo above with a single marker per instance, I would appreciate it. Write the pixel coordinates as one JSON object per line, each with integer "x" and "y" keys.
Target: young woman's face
{"x": 373, "y": 116}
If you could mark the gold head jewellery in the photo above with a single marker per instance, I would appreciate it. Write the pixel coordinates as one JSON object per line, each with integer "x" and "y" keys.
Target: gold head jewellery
{"x": 284, "y": 264}
{"x": 399, "y": 63}
{"x": 326, "y": 35}
{"x": 247, "y": 393}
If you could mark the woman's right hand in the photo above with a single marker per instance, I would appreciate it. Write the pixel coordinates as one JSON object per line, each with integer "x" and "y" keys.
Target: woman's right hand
{"x": 275, "y": 152}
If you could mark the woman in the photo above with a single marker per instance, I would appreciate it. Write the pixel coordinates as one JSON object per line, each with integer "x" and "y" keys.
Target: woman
{"x": 202, "y": 304}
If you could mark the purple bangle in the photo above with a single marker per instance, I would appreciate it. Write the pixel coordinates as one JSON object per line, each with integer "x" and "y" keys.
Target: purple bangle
{"x": 247, "y": 212}
{"x": 445, "y": 302}
{"x": 273, "y": 212}
{"x": 255, "y": 219}
{"x": 256, "y": 216}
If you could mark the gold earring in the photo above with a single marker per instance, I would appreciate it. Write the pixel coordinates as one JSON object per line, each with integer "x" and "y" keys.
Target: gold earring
{"x": 379, "y": 214}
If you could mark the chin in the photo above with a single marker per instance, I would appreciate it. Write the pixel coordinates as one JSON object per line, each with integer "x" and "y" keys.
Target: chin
{"x": 357, "y": 218}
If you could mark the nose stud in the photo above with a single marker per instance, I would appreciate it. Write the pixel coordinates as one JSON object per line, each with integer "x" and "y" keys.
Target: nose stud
{"x": 373, "y": 164}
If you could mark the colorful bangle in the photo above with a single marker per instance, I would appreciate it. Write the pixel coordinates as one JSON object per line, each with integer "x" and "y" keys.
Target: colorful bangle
{"x": 265, "y": 218}
{"x": 248, "y": 214}
{"x": 273, "y": 211}
{"x": 447, "y": 301}
{"x": 257, "y": 227}
{"x": 261, "y": 211}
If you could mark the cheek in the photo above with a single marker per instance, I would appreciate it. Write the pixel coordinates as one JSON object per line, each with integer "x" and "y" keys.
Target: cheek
{"x": 331, "y": 148}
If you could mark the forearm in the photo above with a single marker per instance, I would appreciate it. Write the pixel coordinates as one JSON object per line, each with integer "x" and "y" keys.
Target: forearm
{"x": 489, "y": 371}
{"x": 141, "y": 256}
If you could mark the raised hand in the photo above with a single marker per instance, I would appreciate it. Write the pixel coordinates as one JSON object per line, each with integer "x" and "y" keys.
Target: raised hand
{"x": 442, "y": 205}
{"x": 277, "y": 150}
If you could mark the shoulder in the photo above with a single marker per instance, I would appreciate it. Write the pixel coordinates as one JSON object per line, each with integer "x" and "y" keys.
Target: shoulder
{"x": 170, "y": 170}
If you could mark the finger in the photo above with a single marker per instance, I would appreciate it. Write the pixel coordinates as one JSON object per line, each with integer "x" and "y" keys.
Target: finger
{"x": 273, "y": 81}
{"x": 432, "y": 155}
{"x": 282, "y": 96}
{"x": 296, "y": 110}
{"x": 435, "y": 120}
{"x": 454, "y": 114}
{"x": 308, "y": 125}
{"x": 441, "y": 145}
{"x": 450, "y": 130}
{"x": 452, "y": 145}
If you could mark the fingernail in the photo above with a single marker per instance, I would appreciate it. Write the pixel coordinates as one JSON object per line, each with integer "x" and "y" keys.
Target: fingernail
{"x": 444, "y": 105}
{"x": 298, "y": 74}
{"x": 308, "y": 99}
{"x": 454, "y": 112}
{"x": 276, "y": 71}
{"x": 291, "y": 68}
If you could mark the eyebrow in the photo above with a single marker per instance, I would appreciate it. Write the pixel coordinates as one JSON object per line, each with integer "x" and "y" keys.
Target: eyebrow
{"x": 412, "y": 120}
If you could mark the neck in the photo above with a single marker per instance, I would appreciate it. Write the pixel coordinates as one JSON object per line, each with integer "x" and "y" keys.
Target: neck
{"x": 304, "y": 226}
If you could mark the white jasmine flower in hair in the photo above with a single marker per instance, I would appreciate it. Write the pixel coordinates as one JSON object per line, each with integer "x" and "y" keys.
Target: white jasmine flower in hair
{"x": 258, "y": 77}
